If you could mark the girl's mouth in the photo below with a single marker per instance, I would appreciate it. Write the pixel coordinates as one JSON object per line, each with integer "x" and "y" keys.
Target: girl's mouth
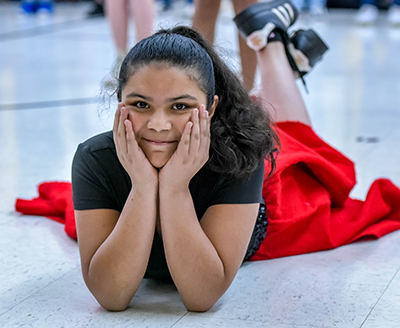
{"x": 159, "y": 142}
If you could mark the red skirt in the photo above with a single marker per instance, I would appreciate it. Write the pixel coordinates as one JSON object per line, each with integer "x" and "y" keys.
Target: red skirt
{"x": 308, "y": 202}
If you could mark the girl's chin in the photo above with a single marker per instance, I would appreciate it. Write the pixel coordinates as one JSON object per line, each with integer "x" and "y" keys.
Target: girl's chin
{"x": 158, "y": 163}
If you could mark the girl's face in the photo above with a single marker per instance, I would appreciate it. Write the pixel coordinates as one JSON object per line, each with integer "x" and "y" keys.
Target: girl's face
{"x": 159, "y": 101}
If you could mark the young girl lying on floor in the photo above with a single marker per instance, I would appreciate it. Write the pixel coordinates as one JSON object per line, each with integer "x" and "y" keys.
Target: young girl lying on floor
{"x": 183, "y": 185}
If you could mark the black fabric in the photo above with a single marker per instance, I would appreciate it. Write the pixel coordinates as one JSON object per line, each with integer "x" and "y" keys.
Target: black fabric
{"x": 259, "y": 233}
{"x": 278, "y": 36}
{"x": 100, "y": 182}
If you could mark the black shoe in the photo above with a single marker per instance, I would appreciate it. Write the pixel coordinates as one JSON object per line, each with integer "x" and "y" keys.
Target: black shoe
{"x": 306, "y": 49}
{"x": 98, "y": 10}
{"x": 256, "y": 22}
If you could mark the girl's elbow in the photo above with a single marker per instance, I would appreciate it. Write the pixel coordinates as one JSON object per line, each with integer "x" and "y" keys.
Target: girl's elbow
{"x": 199, "y": 306}
{"x": 113, "y": 301}
{"x": 113, "y": 306}
{"x": 113, "y": 298}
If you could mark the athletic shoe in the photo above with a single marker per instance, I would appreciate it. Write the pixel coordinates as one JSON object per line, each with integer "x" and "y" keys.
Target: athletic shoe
{"x": 306, "y": 49}
{"x": 45, "y": 7}
{"x": 96, "y": 11}
{"x": 394, "y": 15}
{"x": 256, "y": 22}
{"x": 367, "y": 14}
{"x": 29, "y": 7}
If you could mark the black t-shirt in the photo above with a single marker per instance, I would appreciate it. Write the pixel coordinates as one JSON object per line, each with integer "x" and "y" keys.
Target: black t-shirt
{"x": 99, "y": 181}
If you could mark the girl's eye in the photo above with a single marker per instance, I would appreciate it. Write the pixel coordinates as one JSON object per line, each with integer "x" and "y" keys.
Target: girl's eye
{"x": 179, "y": 106}
{"x": 141, "y": 105}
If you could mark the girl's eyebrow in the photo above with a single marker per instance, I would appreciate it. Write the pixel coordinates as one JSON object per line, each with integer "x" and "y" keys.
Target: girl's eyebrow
{"x": 186, "y": 96}
{"x": 133, "y": 95}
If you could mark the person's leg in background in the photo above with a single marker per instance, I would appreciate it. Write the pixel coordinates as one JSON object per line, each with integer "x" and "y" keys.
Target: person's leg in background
{"x": 368, "y": 12}
{"x": 117, "y": 14}
{"x": 247, "y": 55}
{"x": 205, "y": 18}
{"x": 278, "y": 85}
{"x": 143, "y": 17}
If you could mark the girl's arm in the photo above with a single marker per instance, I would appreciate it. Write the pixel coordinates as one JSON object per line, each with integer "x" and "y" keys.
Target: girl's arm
{"x": 115, "y": 247}
{"x": 203, "y": 257}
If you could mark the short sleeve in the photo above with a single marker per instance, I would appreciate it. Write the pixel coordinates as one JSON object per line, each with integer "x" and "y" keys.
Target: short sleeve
{"x": 241, "y": 191}
{"x": 90, "y": 183}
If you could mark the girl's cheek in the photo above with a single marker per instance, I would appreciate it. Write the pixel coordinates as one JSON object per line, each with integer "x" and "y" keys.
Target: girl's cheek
{"x": 137, "y": 121}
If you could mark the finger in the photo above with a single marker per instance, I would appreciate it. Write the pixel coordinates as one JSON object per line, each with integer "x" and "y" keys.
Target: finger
{"x": 204, "y": 128}
{"x": 184, "y": 143}
{"x": 195, "y": 135}
{"x": 122, "y": 130}
{"x": 116, "y": 124}
{"x": 132, "y": 145}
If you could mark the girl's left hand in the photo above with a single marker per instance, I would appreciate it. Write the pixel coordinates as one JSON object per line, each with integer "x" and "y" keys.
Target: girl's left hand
{"x": 191, "y": 154}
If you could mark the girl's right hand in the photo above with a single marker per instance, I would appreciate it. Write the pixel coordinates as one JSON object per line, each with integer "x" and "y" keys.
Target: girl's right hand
{"x": 131, "y": 156}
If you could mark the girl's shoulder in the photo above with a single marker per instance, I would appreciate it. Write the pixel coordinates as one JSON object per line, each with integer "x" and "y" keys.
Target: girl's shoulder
{"x": 98, "y": 142}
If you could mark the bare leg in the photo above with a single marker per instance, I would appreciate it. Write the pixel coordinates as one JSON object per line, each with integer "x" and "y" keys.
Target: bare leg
{"x": 205, "y": 17}
{"x": 117, "y": 14}
{"x": 247, "y": 55}
{"x": 278, "y": 85}
{"x": 143, "y": 16}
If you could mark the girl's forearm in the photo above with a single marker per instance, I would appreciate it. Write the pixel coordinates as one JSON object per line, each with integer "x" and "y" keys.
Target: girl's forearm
{"x": 119, "y": 264}
{"x": 194, "y": 264}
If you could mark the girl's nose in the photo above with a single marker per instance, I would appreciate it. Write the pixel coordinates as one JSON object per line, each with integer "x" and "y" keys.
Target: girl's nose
{"x": 159, "y": 121}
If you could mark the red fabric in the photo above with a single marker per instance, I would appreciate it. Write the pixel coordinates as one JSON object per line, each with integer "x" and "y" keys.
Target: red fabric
{"x": 308, "y": 202}
{"x": 54, "y": 202}
{"x": 307, "y": 199}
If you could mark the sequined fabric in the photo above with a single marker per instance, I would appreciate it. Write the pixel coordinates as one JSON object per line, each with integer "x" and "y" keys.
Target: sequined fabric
{"x": 259, "y": 232}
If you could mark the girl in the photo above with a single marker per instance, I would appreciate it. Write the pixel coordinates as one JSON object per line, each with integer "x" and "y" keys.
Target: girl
{"x": 175, "y": 190}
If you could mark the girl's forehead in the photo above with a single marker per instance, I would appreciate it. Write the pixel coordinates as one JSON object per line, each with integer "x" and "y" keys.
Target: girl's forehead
{"x": 156, "y": 77}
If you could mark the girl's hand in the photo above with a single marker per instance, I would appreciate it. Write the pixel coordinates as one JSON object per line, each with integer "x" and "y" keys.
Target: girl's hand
{"x": 131, "y": 156}
{"x": 191, "y": 154}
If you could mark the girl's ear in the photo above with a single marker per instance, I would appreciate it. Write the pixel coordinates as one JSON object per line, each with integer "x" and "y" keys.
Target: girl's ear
{"x": 211, "y": 111}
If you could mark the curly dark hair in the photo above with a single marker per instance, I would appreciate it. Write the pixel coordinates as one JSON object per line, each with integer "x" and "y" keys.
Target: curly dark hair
{"x": 241, "y": 131}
